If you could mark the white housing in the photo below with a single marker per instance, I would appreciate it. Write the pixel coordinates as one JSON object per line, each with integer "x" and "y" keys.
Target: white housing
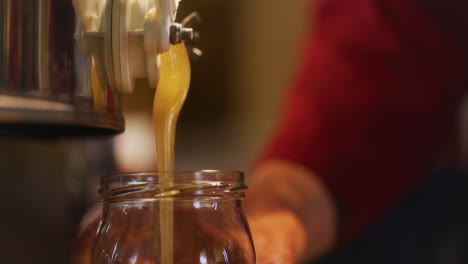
{"x": 125, "y": 37}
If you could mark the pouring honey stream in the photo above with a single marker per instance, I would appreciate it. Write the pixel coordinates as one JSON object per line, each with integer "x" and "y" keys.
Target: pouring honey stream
{"x": 168, "y": 101}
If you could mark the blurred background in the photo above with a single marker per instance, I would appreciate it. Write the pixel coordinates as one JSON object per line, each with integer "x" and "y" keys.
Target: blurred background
{"x": 250, "y": 50}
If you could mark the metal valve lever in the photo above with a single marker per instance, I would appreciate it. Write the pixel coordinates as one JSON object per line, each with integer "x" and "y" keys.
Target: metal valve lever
{"x": 184, "y": 32}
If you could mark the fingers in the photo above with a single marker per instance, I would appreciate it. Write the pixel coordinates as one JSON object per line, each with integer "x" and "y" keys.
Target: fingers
{"x": 82, "y": 246}
{"x": 278, "y": 238}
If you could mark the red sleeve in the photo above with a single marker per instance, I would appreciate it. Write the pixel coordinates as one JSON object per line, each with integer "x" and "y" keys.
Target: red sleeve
{"x": 375, "y": 100}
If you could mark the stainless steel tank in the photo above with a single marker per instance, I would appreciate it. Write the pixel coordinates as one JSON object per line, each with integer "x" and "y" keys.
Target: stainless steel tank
{"x": 46, "y": 84}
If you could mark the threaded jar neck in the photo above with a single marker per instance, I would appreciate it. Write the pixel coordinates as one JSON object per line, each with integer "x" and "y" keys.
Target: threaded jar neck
{"x": 215, "y": 184}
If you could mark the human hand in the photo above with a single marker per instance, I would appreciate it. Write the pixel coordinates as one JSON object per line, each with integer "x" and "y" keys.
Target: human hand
{"x": 81, "y": 251}
{"x": 291, "y": 215}
{"x": 278, "y": 237}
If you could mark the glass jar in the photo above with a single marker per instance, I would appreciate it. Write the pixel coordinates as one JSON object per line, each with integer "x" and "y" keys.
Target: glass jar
{"x": 201, "y": 213}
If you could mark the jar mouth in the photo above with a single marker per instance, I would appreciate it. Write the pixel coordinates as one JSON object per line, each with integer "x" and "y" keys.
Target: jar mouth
{"x": 185, "y": 184}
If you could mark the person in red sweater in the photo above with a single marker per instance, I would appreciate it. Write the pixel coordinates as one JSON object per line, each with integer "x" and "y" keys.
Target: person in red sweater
{"x": 372, "y": 111}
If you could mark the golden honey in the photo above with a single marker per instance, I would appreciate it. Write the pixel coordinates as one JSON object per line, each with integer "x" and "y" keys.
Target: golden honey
{"x": 170, "y": 95}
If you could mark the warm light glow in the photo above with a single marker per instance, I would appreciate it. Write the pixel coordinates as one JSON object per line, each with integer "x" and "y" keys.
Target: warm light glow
{"x": 134, "y": 149}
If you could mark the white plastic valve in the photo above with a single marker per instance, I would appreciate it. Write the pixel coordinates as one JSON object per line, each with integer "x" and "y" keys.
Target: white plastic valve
{"x": 125, "y": 38}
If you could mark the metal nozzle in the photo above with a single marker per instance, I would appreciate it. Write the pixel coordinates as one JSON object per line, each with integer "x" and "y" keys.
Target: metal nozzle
{"x": 178, "y": 33}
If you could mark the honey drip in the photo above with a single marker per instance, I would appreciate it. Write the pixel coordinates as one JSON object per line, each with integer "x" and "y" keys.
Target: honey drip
{"x": 170, "y": 96}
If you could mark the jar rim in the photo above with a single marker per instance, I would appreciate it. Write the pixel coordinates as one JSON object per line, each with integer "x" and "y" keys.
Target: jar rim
{"x": 186, "y": 183}
{"x": 205, "y": 174}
